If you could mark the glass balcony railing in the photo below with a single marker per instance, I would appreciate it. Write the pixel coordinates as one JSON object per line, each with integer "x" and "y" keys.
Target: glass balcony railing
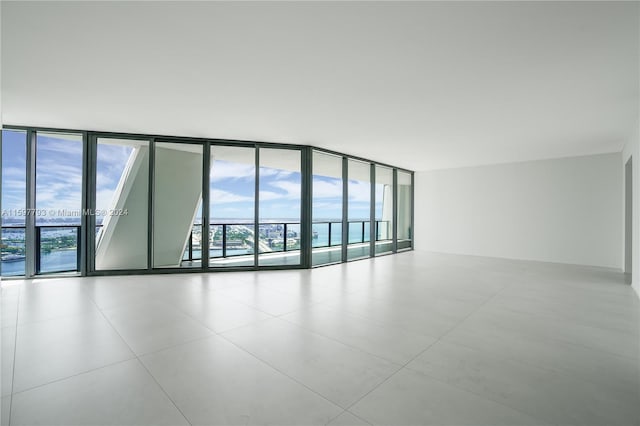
{"x": 13, "y": 251}
{"x": 57, "y": 248}
{"x": 359, "y": 231}
{"x": 329, "y": 234}
{"x": 326, "y": 234}
{"x": 228, "y": 240}
{"x": 383, "y": 230}
{"x": 279, "y": 237}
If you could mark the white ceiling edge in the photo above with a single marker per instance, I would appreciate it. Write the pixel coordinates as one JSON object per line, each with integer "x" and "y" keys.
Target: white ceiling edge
{"x": 533, "y": 160}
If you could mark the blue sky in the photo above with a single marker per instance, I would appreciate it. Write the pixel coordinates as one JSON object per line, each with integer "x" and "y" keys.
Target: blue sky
{"x": 13, "y": 170}
{"x": 59, "y": 175}
{"x": 58, "y": 172}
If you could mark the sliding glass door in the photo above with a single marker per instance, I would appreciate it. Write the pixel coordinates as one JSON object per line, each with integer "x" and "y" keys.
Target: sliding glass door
{"x": 279, "y": 207}
{"x": 326, "y": 213}
{"x": 231, "y": 207}
{"x": 122, "y": 208}
{"x": 58, "y": 202}
{"x": 405, "y": 210}
{"x": 106, "y": 203}
{"x": 384, "y": 210}
{"x": 14, "y": 202}
{"x": 359, "y": 216}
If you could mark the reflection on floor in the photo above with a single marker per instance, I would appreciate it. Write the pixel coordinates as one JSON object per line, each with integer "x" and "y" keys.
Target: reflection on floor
{"x": 410, "y": 339}
{"x": 325, "y": 255}
{"x": 320, "y": 256}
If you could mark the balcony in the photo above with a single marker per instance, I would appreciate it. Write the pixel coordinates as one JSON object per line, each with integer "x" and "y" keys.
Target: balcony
{"x": 57, "y": 249}
{"x": 230, "y": 245}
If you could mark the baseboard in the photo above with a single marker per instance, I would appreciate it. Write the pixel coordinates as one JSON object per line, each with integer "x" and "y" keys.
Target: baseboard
{"x": 520, "y": 259}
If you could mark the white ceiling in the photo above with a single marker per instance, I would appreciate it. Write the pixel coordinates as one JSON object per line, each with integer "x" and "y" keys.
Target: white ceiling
{"x": 420, "y": 85}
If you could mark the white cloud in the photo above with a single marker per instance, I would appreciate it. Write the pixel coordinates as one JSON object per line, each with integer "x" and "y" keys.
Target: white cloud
{"x": 219, "y": 196}
{"x": 275, "y": 173}
{"x": 327, "y": 206}
{"x": 14, "y": 172}
{"x": 113, "y": 155}
{"x": 105, "y": 180}
{"x": 14, "y": 185}
{"x": 359, "y": 191}
{"x": 324, "y": 189}
{"x": 270, "y": 195}
{"x": 50, "y": 144}
{"x": 229, "y": 170}
{"x": 291, "y": 189}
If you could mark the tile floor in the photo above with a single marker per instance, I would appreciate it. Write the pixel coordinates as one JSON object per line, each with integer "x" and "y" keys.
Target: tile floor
{"x": 412, "y": 339}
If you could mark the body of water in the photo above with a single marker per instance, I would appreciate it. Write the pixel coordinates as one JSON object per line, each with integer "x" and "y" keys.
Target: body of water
{"x": 56, "y": 261}
{"x": 355, "y": 233}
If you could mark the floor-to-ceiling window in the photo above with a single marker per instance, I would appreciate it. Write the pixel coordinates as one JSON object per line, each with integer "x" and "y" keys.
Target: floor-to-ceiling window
{"x": 384, "y": 210}
{"x": 121, "y": 204}
{"x": 177, "y": 199}
{"x": 359, "y": 209}
{"x": 279, "y": 206}
{"x": 405, "y": 210}
{"x": 231, "y": 206}
{"x": 327, "y": 188}
{"x": 14, "y": 202}
{"x": 58, "y": 202}
{"x": 106, "y": 203}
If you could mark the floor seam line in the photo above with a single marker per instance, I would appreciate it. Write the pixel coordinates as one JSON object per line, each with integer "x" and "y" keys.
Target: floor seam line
{"x": 281, "y": 372}
{"x": 333, "y": 418}
{"x": 51, "y": 382}
{"x": 343, "y": 343}
{"x": 560, "y": 371}
{"x": 142, "y": 363}
{"x": 479, "y": 395}
{"x": 15, "y": 351}
{"x": 419, "y": 354}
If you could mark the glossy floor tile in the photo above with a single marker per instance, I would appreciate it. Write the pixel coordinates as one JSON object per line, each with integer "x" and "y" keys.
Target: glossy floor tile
{"x": 9, "y": 307}
{"x": 340, "y": 373}
{"x": 52, "y": 299}
{"x": 56, "y": 349}
{"x": 149, "y": 327}
{"x": 5, "y": 410}
{"x": 8, "y": 339}
{"x": 123, "y": 393}
{"x": 386, "y": 341}
{"x": 212, "y": 381}
{"x": 265, "y": 299}
{"x": 412, "y": 339}
{"x": 217, "y": 311}
{"x": 616, "y": 375}
{"x": 556, "y": 398}
{"x": 411, "y": 398}
{"x": 615, "y": 342}
{"x": 348, "y": 419}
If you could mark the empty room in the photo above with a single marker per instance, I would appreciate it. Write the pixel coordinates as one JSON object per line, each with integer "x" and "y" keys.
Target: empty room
{"x": 320, "y": 213}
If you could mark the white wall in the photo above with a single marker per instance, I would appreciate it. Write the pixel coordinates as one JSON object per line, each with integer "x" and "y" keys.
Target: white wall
{"x": 632, "y": 149}
{"x": 564, "y": 210}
